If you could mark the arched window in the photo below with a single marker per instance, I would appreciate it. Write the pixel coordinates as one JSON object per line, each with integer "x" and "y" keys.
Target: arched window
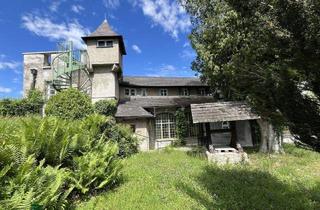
{"x": 165, "y": 126}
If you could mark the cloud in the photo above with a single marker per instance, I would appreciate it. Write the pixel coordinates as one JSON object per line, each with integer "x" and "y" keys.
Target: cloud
{"x": 170, "y": 15}
{"x": 167, "y": 70}
{"x": 54, "y": 6}
{"x": 111, "y": 4}
{"x": 188, "y": 54}
{"x": 7, "y": 64}
{"x": 45, "y": 27}
{"x": 77, "y": 8}
{"x": 5, "y": 90}
{"x": 186, "y": 44}
{"x": 136, "y": 49}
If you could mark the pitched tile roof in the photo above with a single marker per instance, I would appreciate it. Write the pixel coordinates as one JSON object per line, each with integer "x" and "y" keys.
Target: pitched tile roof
{"x": 161, "y": 81}
{"x": 221, "y": 111}
{"x": 132, "y": 111}
{"x": 134, "y": 107}
{"x": 103, "y": 30}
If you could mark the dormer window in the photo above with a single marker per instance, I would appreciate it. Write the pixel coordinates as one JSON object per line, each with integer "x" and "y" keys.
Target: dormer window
{"x": 104, "y": 43}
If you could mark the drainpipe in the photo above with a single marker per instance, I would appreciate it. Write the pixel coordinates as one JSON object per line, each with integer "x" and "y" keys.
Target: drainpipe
{"x": 34, "y": 73}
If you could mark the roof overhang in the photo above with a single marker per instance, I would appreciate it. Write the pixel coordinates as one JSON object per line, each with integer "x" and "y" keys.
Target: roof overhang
{"x": 222, "y": 112}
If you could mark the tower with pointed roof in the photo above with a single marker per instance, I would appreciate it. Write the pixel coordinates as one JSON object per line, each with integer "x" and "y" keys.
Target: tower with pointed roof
{"x": 105, "y": 50}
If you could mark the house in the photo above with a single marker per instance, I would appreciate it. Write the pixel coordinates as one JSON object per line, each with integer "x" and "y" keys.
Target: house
{"x": 147, "y": 104}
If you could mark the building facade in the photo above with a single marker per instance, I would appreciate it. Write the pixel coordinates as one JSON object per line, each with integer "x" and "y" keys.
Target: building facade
{"x": 147, "y": 104}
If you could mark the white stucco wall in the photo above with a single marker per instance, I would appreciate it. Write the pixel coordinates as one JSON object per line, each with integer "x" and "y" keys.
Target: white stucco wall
{"x": 104, "y": 83}
{"x": 141, "y": 132}
{"x": 104, "y": 55}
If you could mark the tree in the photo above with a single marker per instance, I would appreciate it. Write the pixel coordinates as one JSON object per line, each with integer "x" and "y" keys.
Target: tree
{"x": 266, "y": 52}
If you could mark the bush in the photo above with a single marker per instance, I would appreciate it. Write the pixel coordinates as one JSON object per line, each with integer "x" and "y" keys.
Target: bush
{"x": 100, "y": 125}
{"x": 21, "y": 107}
{"x": 69, "y": 104}
{"x": 106, "y": 107}
{"x": 51, "y": 161}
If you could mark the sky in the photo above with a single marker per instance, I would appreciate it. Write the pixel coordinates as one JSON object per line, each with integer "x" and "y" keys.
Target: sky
{"x": 155, "y": 34}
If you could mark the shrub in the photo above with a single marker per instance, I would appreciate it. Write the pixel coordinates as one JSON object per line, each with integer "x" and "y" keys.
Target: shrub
{"x": 20, "y": 107}
{"x": 99, "y": 125}
{"x": 69, "y": 104}
{"x": 106, "y": 107}
{"x": 51, "y": 161}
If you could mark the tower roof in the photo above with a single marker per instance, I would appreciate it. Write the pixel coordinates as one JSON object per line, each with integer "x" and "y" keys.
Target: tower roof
{"x": 105, "y": 31}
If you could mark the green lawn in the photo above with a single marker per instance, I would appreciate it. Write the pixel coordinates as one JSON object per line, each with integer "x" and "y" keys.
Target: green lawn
{"x": 178, "y": 180}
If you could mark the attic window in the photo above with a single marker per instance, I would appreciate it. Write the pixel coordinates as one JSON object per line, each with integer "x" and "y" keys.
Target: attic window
{"x": 104, "y": 43}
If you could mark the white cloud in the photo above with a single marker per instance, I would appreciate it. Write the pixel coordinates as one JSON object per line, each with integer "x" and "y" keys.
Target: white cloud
{"x": 111, "y": 4}
{"x": 188, "y": 54}
{"x": 54, "y": 6}
{"x": 170, "y": 15}
{"x": 167, "y": 70}
{"x": 45, "y": 27}
{"x": 186, "y": 44}
{"x": 136, "y": 48}
{"x": 8, "y": 64}
{"x": 5, "y": 90}
{"x": 77, "y": 8}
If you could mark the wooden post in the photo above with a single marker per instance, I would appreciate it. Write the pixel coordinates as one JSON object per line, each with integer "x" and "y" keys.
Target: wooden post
{"x": 208, "y": 135}
{"x": 234, "y": 138}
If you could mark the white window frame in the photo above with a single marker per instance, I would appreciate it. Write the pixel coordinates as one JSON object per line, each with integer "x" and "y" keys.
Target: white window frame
{"x": 161, "y": 91}
{"x": 144, "y": 92}
{"x": 130, "y": 91}
{"x": 105, "y": 44}
{"x": 203, "y": 92}
{"x": 185, "y": 92}
{"x": 165, "y": 122}
{"x": 225, "y": 125}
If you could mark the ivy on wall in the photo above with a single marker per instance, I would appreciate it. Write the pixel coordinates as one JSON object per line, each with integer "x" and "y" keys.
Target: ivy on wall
{"x": 181, "y": 126}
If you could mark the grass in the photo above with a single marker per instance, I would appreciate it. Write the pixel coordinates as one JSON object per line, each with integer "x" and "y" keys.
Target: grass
{"x": 177, "y": 180}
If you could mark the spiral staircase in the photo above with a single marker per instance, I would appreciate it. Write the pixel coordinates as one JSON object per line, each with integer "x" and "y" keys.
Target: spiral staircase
{"x": 71, "y": 68}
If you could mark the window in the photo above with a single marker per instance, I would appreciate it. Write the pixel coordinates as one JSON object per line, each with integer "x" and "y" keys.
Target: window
{"x": 163, "y": 92}
{"x": 184, "y": 92}
{"x": 165, "y": 126}
{"x": 104, "y": 43}
{"x": 133, "y": 128}
{"x": 144, "y": 92}
{"x": 132, "y": 92}
{"x": 225, "y": 125}
{"x": 129, "y": 91}
{"x": 203, "y": 92}
{"x": 193, "y": 129}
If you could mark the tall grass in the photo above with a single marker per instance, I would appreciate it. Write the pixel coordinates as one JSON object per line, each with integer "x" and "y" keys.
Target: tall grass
{"x": 176, "y": 180}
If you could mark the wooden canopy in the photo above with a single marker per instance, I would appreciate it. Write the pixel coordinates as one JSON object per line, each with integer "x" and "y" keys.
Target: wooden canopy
{"x": 221, "y": 112}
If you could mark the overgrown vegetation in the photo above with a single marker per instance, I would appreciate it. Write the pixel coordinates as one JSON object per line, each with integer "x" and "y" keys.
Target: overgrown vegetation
{"x": 69, "y": 104}
{"x": 177, "y": 180}
{"x": 30, "y": 105}
{"x": 181, "y": 126}
{"x": 50, "y": 162}
{"x": 264, "y": 52}
{"x": 106, "y": 107}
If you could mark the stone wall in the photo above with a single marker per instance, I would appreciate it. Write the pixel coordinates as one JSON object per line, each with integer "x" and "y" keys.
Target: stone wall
{"x": 39, "y": 62}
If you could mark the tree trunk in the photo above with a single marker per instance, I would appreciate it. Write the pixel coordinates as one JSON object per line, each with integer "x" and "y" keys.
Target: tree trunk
{"x": 270, "y": 140}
